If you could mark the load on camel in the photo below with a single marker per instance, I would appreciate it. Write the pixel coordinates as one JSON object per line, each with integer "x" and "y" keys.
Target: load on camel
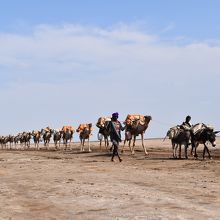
{"x": 67, "y": 134}
{"x": 85, "y": 131}
{"x": 102, "y": 124}
{"x": 134, "y": 125}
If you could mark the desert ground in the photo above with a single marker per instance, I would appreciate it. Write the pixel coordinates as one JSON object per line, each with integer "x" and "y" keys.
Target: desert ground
{"x": 49, "y": 184}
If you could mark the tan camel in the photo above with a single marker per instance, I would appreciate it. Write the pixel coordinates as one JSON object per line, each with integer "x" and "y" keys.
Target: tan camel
{"x": 135, "y": 125}
{"x": 36, "y": 136}
{"x": 84, "y": 133}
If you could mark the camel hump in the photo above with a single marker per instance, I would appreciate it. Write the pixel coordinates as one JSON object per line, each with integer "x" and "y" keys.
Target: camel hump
{"x": 83, "y": 126}
{"x": 134, "y": 117}
{"x": 101, "y": 121}
{"x": 35, "y": 132}
{"x": 68, "y": 127}
{"x": 47, "y": 129}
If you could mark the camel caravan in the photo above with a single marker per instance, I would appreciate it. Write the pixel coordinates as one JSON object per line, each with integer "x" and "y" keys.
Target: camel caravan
{"x": 134, "y": 125}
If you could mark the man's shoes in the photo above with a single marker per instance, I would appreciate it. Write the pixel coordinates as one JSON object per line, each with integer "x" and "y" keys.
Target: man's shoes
{"x": 112, "y": 160}
{"x": 120, "y": 160}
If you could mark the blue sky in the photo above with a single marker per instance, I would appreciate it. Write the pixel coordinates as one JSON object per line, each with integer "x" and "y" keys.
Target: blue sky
{"x": 197, "y": 19}
{"x": 69, "y": 62}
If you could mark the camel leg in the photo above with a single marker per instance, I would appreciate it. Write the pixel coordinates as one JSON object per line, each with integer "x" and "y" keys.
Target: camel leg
{"x": 106, "y": 143}
{"x": 65, "y": 144}
{"x": 84, "y": 144}
{"x": 129, "y": 145}
{"x": 122, "y": 150}
{"x": 106, "y": 146}
{"x": 132, "y": 149}
{"x": 81, "y": 144}
{"x": 100, "y": 144}
{"x": 142, "y": 138}
{"x": 89, "y": 145}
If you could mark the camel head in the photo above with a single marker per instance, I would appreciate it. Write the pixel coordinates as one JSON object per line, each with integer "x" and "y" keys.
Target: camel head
{"x": 148, "y": 117}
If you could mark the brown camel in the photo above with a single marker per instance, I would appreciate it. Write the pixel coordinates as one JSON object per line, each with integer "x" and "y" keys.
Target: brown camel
{"x": 103, "y": 131}
{"x": 84, "y": 133}
{"x": 47, "y": 133}
{"x": 134, "y": 127}
{"x": 36, "y": 137}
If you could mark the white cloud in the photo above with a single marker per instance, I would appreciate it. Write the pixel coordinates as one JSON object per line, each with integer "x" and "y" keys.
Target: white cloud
{"x": 73, "y": 73}
{"x": 169, "y": 27}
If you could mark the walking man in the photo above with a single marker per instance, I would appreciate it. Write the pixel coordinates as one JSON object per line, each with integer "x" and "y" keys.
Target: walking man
{"x": 115, "y": 128}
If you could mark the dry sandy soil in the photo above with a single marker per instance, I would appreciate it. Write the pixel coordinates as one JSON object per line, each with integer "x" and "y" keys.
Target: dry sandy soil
{"x": 72, "y": 185}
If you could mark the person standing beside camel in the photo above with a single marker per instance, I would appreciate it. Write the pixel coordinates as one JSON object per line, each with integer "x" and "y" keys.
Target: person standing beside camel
{"x": 115, "y": 128}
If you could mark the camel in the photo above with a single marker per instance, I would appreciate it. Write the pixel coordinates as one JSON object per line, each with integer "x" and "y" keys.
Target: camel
{"x": 26, "y": 139}
{"x": 16, "y": 140}
{"x": 11, "y": 141}
{"x": 84, "y": 133}
{"x": 4, "y": 141}
{"x": 133, "y": 127}
{"x": 47, "y": 132}
{"x": 36, "y": 137}
{"x": 57, "y": 135}
{"x": 103, "y": 131}
{"x": 67, "y": 132}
